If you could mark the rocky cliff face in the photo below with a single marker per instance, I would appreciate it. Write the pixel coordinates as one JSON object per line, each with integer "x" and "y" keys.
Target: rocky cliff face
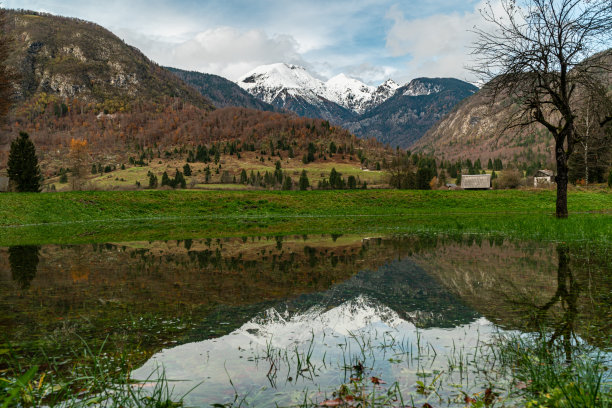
{"x": 71, "y": 58}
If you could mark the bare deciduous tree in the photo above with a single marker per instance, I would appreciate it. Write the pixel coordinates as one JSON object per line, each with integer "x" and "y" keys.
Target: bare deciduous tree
{"x": 543, "y": 54}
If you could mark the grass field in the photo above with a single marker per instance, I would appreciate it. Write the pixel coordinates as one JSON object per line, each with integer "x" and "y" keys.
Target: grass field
{"x": 76, "y": 217}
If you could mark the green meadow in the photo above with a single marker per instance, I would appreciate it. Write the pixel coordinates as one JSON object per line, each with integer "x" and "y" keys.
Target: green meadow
{"x": 82, "y": 217}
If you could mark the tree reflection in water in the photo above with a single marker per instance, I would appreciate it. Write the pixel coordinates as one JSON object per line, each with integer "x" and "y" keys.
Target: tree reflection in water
{"x": 566, "y": 295}
{"x": 24, "y": 261}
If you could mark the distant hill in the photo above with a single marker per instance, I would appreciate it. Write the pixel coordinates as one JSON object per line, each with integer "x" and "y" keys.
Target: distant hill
{"x": 412, "y": 110}
{"x": 71, "y": 58}
{"x": 476, "y": 128}
{"x": 222, "y": 92}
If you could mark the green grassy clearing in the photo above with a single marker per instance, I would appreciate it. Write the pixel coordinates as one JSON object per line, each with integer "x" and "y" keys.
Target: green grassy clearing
{"x": 318, "y": 170}
{"x": 77, "y": 217}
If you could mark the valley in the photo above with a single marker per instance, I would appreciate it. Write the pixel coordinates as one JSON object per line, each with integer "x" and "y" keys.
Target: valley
{"x": 248, "y": 212}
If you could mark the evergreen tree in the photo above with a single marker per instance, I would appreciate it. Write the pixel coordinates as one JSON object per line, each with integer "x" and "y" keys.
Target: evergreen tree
{"x": 179, "y": 180}
{"x": 278, "y": 173}
{"x": 304, "y": 183}
{"x": 311, "y": 153}
{"x": 423, "y": 179}
{"x": 332, "y": 148}
{"x": 187, "y": 169}
{"x": 335, "y": 179}
{"x": 490, "y": 165}
{"x": 22, "y": 168}
{"x": 288, "y": 183}
{"x": 243, "y": 176}
{"x": 153, "y": 180}
{"x": 352, "y": 182}
{"x": 165, "y": 181}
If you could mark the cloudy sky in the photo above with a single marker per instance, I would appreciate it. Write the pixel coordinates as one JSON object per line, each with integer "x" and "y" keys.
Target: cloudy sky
{"x": 367, "y": 39}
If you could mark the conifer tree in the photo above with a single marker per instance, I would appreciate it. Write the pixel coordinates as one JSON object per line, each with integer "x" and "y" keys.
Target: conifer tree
{"x": 304, "y": 183}
{"x": 153, "y": 180}
{"x": 288, "y": 183}
{"x": 165, "y": 181}
{"x": 23, "y": 169}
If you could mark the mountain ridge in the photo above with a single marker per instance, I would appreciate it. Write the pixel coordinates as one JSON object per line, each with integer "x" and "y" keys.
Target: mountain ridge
{"x": 221, "y": 91}
{"x": 393, "y": 114}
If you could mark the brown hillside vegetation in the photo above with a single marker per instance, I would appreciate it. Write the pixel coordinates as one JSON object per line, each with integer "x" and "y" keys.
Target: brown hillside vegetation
{"x": 478, "y": 128}
{"x": 171, "y": 129}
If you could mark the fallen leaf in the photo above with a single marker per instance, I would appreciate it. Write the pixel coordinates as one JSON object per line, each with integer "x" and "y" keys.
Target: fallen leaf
{"x": 332, "y": 403}
{"x": 376, "y": 380}
{"x": 521, "y": 385}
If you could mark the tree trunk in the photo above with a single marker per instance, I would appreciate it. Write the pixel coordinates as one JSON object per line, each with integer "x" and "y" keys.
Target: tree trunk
{"x": 561, "y": 181}
{"x": 586, "y": 163}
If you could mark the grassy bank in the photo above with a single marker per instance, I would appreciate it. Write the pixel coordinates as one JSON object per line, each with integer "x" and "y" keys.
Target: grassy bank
{"x": 78, "y": 217}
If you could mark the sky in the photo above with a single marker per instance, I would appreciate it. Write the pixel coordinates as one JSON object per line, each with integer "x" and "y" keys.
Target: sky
{"x": 371, "y": 40}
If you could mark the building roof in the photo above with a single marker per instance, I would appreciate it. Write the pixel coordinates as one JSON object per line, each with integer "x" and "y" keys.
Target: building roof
{"x": 476, "y": 181}
{"x": 545, "y": 173}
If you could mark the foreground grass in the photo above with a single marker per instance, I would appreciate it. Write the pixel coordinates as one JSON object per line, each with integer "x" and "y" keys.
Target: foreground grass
{"x": 80, "y": 217}
{"x": 97, "y": 379}
{"x": 548, "y": 373}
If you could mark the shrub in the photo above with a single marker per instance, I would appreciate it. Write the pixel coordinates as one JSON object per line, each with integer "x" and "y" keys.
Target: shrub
{"x": 510, "y": 178}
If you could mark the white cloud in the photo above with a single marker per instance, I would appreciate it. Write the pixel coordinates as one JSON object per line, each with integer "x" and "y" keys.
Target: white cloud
{"x": 224, "y": 51}
{"x": 438, "y": 45}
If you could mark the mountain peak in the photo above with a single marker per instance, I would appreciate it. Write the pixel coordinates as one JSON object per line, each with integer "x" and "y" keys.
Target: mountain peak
{"x": 275, "y": 83}
{"x": 269, "y": 82}
{"x": 389, "y": 83}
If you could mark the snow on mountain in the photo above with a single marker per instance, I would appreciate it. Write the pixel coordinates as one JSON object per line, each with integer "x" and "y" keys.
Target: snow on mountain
{"x": 276, "y": 83}
{"x": 422, "y": 87}
{"x": 349, "y": 92}
{"x": 271, "y": 82}
{"x": 384, "y": 91}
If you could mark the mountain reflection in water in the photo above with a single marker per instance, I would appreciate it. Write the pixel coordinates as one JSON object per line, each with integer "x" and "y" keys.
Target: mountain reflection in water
{"x": 251, "y": 309}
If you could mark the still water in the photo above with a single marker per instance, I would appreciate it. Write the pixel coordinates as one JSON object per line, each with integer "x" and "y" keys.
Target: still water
{"x": 287, "y": 320}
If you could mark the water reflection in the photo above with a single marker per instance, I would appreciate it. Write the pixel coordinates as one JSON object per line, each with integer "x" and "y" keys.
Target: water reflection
{"x": 203, "y": 305}
{"x": 24, "y": 261}
{"x": 566, "y": 297}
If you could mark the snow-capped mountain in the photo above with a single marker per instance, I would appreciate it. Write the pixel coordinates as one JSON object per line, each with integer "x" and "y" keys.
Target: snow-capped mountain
{"x": 349, "y": 93}
{"x": 277, "y": 84}
{"x": 271, "y": 82}
{"x": 384, "y": 91}
{"x": 290, "y": 87}
{"x": 394, "y": 114}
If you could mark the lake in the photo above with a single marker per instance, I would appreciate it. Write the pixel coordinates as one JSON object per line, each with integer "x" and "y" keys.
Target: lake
{"x": 299, "y": 320}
